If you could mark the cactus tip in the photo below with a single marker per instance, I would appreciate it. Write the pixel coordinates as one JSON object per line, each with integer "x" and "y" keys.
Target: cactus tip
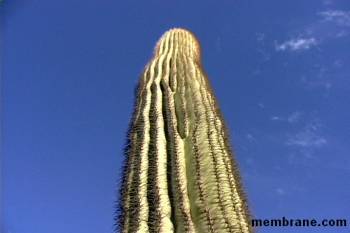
{"x": 189, "y": 42}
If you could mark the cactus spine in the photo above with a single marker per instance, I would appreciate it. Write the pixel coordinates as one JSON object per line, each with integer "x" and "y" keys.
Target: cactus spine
{"x": 180, "y": 175}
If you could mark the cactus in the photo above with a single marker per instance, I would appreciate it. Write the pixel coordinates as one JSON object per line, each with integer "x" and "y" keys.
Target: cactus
{"x": 180, "y": 175}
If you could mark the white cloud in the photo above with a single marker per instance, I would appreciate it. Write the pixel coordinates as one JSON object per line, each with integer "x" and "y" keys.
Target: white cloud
{"x": 297, "y": 44}
{"x": 333, "y": 24}
{"x": 280, "y": 191}
{"x": 327, "y": 2}
{"x": 276, "y": 118}
{"x": 341, "y": 33}
{"x": 309, "y": 137}
{"x": 321, "y": 77}
{"x": 294, "y": 117}
{"x": 342, "y": 18}
{"x": 250, "y": 137}
{"x": 260, "y": 36}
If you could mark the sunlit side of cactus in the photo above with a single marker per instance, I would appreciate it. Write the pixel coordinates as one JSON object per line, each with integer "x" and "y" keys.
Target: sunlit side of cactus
{"x": 180, "y": 175}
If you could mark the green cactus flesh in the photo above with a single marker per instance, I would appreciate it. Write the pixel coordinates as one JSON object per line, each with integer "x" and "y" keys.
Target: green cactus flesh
{"x": 180, "y": 175}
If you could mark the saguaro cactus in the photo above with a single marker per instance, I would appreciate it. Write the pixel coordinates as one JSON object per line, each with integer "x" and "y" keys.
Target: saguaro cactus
{"x": 180, "y": 175}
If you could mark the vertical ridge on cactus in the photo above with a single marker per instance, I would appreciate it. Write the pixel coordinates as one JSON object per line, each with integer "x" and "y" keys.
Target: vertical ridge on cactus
{"x": 180, "y": 175}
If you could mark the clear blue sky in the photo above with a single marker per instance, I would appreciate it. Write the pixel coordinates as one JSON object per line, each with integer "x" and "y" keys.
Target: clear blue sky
{"x": 280, "y": 69}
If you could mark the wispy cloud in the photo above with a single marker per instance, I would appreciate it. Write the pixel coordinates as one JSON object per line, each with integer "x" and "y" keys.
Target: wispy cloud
{"x": 292, "y": 118}
{"x": 250, "y": 137}
{"x": 260, "y": 36}
{"x": 329, "y": 27}
{"x": 316, "y": 81}
{"x": 296, "y": 44}
{"x": 280, "y": 191}
{"x": 327, "y": 2}
{"x": 309, "y": 137}
{"x": 342, "y": 18}
{"x": 332, "y": 24}
{"x": 261, "y": 105}
{"x": 276, "y": 118}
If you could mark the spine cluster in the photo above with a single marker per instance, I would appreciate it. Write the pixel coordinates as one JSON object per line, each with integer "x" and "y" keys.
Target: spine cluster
{"x": 180, "y": 174}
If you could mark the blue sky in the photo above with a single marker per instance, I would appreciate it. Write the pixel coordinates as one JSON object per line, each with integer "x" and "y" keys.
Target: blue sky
{"x": 280, "y": 70}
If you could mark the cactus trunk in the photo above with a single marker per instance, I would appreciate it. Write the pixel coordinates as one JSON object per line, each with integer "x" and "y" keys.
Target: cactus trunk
{"x": 180, "y": 175}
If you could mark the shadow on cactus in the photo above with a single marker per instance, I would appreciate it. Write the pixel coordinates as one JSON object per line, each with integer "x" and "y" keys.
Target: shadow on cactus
{"x": 180, "y": 174}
